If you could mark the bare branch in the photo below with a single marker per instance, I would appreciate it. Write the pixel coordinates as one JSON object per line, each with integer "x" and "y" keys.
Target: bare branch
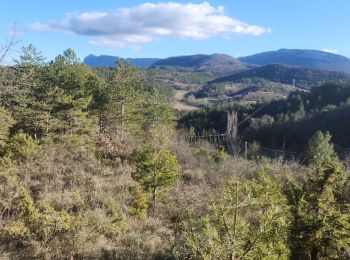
{"x": 7, "y": 46}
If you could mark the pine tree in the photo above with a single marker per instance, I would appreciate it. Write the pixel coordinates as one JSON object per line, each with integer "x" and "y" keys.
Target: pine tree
{"x": 125, "y": 92}
{"x": 156, "y": 111}
{"x": 126, "y": 106}
{"x": 300, "y": 113}
{"x": 21, "y": 146}
{"x": 139, "y": 203}
{"x": 63, "y": 98}
{"x": 30, "y": 56}
{"x": 320, "y": 227}
{"x": 20, "y": 98}
{"x": 319, "y": 149}
{"x": 156, "y": 167}
{"x": 248, "y": 221}
{"x": 50, "y": 98}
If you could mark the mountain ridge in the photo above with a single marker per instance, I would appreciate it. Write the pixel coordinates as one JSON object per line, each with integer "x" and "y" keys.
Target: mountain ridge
{"x": 109, "y": 61}
{"x": 214, "y": 63}
{"x": 314, "y": 59}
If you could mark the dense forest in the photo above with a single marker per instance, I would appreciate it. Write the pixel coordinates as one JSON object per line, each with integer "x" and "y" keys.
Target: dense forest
{"x": 287, "y": 123}
{"x": 304, "y": 78}
{"x": 95, "y": 164}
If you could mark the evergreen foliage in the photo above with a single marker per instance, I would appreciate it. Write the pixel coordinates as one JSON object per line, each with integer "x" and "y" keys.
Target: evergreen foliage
{"x": 21, "y": 147}
{"x": 319, "y": 149}
{"x": 320, "y": 227}
{"x": 248, "y": 221}
{"x": 156, "y": 167}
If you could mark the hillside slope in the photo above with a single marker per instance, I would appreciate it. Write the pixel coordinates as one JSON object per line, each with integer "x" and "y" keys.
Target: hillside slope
{"x": 304, "y": 77}
{"x": 109, "y": 61}
{"x": 305, "y": 58}
{"x": 216, "y": 63}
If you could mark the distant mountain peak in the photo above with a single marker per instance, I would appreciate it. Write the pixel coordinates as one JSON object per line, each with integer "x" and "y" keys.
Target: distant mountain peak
{"x": 109, "y": 61}
{"x": 218, "y": 63}
{"x": 301, "y": 57}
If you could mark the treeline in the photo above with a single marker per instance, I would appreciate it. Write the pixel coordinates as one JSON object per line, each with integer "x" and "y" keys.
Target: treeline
{"x": 305, "y": 78}
{"x": 292, "y": 135}
{"x": 301, "y": 104}
{"x": 64, "y": 96}
{"x": 287, "y": 123}
{"x": 324, "y": 108}
{"x": 210, "y": 118}
{"x": 242, "y": 87}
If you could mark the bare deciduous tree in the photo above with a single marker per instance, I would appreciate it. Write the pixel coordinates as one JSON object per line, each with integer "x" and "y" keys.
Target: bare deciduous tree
{"x": 5, "y": 48}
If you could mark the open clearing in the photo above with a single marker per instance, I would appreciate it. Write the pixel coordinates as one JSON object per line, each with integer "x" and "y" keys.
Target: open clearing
{"x": 177, "y": 104}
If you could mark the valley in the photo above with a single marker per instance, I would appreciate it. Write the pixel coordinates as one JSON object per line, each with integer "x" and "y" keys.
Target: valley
{"x": 218, "y": 78}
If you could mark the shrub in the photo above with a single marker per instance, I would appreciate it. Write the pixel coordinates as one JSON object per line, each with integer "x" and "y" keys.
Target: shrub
{"x": 22, "y": 147}
{"x": 319, "y": 149}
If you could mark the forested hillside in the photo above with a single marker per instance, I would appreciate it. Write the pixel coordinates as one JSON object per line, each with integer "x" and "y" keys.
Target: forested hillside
{"x": 196, "y": 80}
{"x": 95, "y": 164}
{"x": 285, "y": 123}
{"x": 304, "y": 58}
{"x": 217, "y": 64}
{"x": 301, "y": 77}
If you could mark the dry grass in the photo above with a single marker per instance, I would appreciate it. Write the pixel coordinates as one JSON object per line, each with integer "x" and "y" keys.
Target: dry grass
{"x": 59, "y": 172}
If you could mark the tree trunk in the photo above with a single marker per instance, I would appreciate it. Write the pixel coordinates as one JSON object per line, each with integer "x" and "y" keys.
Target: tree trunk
{"x": 47, "y": 124}
{"x": 314, "y": 253}
{"x": 154, "y": 196}
{"x": 122, "y": 122}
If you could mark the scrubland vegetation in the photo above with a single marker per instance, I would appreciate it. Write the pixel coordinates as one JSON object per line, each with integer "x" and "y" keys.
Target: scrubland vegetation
{"x": 97, "y": 167}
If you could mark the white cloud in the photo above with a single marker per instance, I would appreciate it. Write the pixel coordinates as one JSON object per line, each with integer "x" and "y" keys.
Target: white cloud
{"x": 128, "y": 27}
{"x": 331, "y": 51}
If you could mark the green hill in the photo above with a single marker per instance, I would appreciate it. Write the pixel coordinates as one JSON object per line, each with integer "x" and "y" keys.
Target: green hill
{"x": 304, "y": 58}
{"x": 216, "y": 63}
{"x": 304, "y": 77}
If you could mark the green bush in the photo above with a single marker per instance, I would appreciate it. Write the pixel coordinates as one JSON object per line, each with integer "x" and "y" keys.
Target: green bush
{"x": 22, "y": 147}
{"x": 319, "y": 149}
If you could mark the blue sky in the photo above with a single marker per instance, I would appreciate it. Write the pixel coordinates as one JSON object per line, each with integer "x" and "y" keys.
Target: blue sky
{"x": 131, "y": 28}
